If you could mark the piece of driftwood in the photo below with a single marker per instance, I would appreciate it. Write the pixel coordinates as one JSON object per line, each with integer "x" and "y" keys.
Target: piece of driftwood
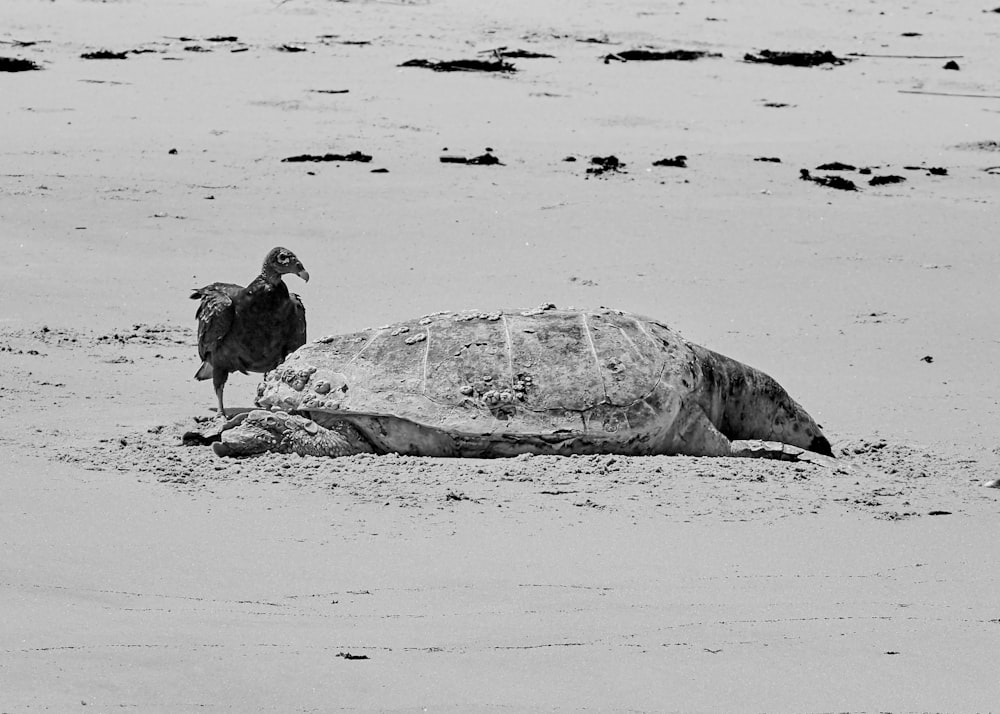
{"x": 934, "y": 57}
{"x": 949, "y": 94}
{"x": 506, "y": 52}
{"x": 795, "y": 59}
{"x": 462, "y": 65}
{"x": 486, "y": 159}
{"x": 655, "y": 56}
{"x": 353, "y": 156}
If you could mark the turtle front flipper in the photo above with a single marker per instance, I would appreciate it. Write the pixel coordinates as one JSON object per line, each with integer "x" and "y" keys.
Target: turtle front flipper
{"x": 260, "y": 431}
{"x": 761, "y": 449}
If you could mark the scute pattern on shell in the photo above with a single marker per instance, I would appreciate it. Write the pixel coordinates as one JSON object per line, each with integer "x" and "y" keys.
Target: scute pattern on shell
{"x": 537, "y": 371}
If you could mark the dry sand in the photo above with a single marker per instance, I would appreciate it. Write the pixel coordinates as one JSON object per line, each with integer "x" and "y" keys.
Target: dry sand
{"x": 140, "y": 575}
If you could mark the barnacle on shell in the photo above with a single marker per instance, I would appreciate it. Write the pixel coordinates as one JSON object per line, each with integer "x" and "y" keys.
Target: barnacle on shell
{"x": 544, "y": 307}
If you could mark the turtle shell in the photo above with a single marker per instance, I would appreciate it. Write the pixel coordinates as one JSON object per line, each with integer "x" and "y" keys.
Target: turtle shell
{"x": 473, "y": 383}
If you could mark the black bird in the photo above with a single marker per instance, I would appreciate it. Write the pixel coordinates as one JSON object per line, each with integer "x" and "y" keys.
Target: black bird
{"x": 250, "y": 329}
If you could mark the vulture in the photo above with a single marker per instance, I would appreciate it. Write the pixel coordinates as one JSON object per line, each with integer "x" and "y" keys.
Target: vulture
{"x": 250, "y": 329}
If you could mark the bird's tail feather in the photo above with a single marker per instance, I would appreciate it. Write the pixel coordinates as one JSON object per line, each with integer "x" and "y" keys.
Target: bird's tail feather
{"x": 204, "y": 372}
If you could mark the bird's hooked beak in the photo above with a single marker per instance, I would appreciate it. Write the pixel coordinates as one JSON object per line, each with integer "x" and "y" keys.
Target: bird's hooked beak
{"x": 303, "y": 273}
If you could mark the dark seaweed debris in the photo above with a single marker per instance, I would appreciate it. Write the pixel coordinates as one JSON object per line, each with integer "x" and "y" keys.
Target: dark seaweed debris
{"x": 349, "y": 656}
{"x": 520, "y": 54}
{"x": 16, "y": 64}
{"x": 472, "y": 65}
{"x": 679, "y": 161}
{"x": 601, "y": 165}
{"x": 882, "y": 180}
{"x": 931, "y": 170}
{"x": 770, "y": 159}
{"x": 836, "y": 166}
{"x": 653, "y": 56}
{"x": 838, "y": 182}
{"x": 353, "y": 156}
{"x": 104, "y": 55}
{"x": 795, "y": 59}
{"x": 487, "y": 159}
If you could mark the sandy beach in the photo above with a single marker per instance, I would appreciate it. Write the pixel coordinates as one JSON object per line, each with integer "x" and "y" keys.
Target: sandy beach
{"x": 139, "y": 574}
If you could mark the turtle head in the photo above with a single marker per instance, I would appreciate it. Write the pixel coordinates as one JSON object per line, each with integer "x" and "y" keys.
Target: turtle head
{"x": 821, "y": 445}
{"x": 281, "y": 261}
{"x": 258, "y": 431}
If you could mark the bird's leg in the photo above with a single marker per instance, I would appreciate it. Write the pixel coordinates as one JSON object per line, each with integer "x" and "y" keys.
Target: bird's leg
{"x": 219, "y": 378}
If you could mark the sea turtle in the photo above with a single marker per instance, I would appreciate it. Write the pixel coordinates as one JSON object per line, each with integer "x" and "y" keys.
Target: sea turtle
{"x": 541, "y": 381}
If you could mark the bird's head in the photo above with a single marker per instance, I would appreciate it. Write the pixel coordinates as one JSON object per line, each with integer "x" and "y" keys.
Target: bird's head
{"x": 281, "y": 261}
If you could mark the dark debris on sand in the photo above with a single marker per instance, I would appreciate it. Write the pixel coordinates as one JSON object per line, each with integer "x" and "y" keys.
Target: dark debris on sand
{"x": 519, "y": 54}
{"x": 353, "y": 156}
{"x": 679, "y": 161}
{"x": 486, "y": 159}
{"x": 104, "y": 55}
{"x": 883, "y": 180}
{"x": 463, "y": 65}
{"x": 16, "y": 64}
{"x": 795, "y": 59}
{"x": 836, "y": 166}
{"x": 931, "y": 170}
{"x": 601, "y": 165}
{"x": 838, "y": 182}
{"x": 655, "y": 56}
